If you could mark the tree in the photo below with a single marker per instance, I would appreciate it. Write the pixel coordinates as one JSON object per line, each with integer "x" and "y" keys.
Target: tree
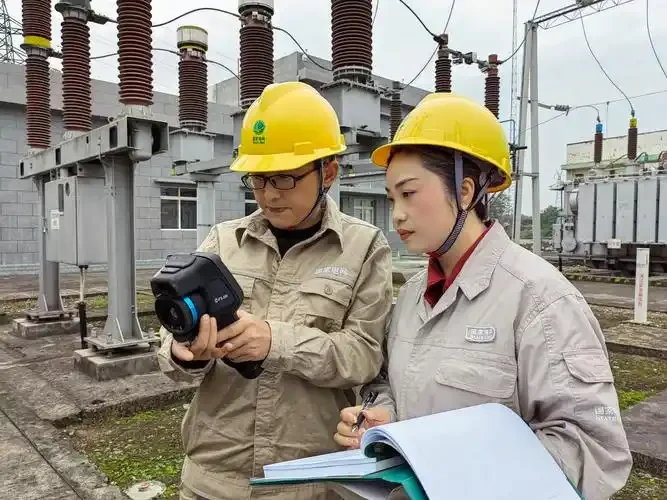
{"x": 500, "y": 209}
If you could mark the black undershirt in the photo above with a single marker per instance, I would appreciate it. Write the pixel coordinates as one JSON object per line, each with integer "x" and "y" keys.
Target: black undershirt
{"x": 286, "y": 239}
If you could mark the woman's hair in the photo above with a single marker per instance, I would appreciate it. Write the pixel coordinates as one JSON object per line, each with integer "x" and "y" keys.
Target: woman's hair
{"x": 440, "y": 161}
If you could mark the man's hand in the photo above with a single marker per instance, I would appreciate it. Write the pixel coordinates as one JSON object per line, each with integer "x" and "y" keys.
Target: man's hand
{"x": 204, "y": 347}
{"x": 248, "y": 339}
{"x": 348, "y": 417}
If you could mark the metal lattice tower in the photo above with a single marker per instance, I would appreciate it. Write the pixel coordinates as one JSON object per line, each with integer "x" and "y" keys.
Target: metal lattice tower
{"x": 9, "y": 27}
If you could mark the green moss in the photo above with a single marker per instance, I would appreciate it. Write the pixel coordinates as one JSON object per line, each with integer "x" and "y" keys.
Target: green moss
{"x": 626, "y": 399}
{"x": 145, "y": 446}
{"x": 643, "y": 486}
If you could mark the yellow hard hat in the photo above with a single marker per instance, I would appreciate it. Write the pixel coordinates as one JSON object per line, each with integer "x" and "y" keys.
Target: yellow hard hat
{"x": 456, "y": 122}
{"x": 289, "y": 125}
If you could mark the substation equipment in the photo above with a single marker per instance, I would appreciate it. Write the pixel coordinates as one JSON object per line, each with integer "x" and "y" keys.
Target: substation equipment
{"x": 529, "y": 96}
{"x": 606, "y": 217}
{"x": 85, "y": 181}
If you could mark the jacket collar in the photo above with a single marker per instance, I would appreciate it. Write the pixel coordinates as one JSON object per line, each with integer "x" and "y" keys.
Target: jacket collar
{"x": 256, "y": 225}
{"x": 475, "y": 276}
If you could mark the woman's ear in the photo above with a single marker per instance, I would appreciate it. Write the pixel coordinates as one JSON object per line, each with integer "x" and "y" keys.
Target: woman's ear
{"x": 467, "y": 193}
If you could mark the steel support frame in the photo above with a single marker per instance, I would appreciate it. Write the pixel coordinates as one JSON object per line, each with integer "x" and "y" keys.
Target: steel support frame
{"x": 529, "y": 95}
{"x": 118, "y": 146}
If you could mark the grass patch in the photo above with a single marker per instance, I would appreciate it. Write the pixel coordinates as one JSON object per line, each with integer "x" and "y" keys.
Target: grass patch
{"x": 94, "y": 303}
{"x": 612, "y": 316}
{"x": 637, "y": 377}
{"x": 145, "y": 446}
{"x": 642, "y": 486}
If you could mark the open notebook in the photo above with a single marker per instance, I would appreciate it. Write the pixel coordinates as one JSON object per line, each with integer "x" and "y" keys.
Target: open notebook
{"x": 473, "y": 453}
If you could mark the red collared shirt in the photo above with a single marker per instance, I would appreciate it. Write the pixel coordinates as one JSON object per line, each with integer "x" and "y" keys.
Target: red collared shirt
{"x": 437, "y": 282}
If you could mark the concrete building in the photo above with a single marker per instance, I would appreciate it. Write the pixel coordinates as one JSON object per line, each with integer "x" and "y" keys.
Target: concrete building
{"x": 166, "y": 205}
{"x": 651, "y": 151}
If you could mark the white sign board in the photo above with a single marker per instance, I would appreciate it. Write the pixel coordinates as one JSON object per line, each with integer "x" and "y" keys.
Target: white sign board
{"x": 55, "y": 220}
{"x": 641, "y": 286}
{"x": 613, "y": 243}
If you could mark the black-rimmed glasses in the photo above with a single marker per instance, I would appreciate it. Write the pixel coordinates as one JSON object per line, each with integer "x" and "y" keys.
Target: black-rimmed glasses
{"x": 282, "y": 182}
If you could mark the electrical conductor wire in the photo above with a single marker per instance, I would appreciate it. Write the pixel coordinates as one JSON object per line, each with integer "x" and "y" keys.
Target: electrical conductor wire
{"x": 212, "y": 61}
{"x": 583, "y": 27}
{"x": 537, "y": 5}
{"x": 237, "y": 16}
{"x": 449, "y": 17}
{"x": 650, "y": 39}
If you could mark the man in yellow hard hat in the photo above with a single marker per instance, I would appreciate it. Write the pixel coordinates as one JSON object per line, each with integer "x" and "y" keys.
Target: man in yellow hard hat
{"x": 318, "y": 293}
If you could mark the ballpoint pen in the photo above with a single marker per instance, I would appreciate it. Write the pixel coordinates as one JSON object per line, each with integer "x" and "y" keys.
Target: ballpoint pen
{"x": 369, "y": 400}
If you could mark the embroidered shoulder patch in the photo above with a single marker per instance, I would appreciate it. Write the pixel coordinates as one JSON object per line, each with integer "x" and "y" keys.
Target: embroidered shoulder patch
{"x": 480, "y": 334}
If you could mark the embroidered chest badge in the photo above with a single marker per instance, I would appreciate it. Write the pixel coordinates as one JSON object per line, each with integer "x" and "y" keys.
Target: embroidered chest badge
{"x": 333, "y": 271}
{"x": 480, "y": 334}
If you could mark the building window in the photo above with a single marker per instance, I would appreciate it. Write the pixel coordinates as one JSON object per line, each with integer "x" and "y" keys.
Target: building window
{"x": 250, "y": 203}
{"x": 364, "y": 209}
{"x": 178, "y": 208}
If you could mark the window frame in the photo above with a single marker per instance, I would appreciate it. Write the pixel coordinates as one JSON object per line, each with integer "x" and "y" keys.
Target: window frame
{"x": 358, "y": 204}
{"x": 178, "y": 198}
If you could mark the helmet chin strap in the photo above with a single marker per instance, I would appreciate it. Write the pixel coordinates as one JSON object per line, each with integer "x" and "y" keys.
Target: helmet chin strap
{"x": 320, "y": 196}
{"x": 462, "y": 214}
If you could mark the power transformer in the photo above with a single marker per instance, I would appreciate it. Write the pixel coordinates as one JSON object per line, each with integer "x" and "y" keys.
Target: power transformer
{"x": 604, "y": 219}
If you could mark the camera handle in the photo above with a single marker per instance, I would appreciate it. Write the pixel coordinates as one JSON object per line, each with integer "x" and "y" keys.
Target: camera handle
{"x": 247, "y": 369}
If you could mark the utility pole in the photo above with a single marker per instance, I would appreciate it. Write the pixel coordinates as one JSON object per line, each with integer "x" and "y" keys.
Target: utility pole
{"x": 9, "y": 27}
{"x": 529, "y": 95}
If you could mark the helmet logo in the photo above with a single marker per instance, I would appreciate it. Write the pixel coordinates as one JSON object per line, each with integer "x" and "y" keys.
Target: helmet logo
{"x": 258, "y": 130}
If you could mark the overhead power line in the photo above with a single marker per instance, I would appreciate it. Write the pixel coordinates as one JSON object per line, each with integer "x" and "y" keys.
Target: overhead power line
{"x": 212, "y": 61}
{"x": 430, "y": 59}
{"x": 650, "y": 39}
{"x": 583, "y": 27}
{"x": 508, "y": 58}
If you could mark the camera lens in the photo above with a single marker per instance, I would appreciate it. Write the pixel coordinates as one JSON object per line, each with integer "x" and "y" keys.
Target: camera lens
{"x": 179, "y": 316}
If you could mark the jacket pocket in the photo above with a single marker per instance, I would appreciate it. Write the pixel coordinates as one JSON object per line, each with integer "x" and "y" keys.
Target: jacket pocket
{"x": 589, "y": 366}
{"x": 247, "y": 284}
{"x": 485, "y": 374}
{"x": 325, "y": 303}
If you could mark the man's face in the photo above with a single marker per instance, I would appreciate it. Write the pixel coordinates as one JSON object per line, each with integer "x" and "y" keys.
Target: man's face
{"x": 287, "y": 208}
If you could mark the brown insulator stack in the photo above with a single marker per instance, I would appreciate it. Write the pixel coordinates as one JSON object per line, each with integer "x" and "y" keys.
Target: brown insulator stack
{"x": 632, "y": 139}
{"x": 256, "y": 43}
{"x": 443, "y": 67}
{"x": 396, "y": 110}
{"x": 37, "y": 45}
{"x": 352, "y": 39}
{"x": 597, "y": 143}
{"x": 492, "y": 86}
{"x": 135, "y": 57}
{"x": 192, "y": 77}
{"x": 77, "y": 95}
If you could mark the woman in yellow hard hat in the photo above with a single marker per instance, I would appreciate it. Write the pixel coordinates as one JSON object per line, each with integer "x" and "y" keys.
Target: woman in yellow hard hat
{"x": 318, "y": 288}
{"x": 487, "y": 321}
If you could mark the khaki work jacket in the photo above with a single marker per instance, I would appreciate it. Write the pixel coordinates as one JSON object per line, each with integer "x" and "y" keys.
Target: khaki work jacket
{"x": 328, "y": 302}
{"x": 511, "y": 329}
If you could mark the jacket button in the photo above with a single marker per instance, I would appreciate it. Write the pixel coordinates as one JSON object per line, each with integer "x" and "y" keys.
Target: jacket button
{"x": 328, "y": 290}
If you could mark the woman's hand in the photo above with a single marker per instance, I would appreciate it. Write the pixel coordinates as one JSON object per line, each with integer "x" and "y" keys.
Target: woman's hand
{"x": 204, "y": 347}
{"x": 348, "y": 438}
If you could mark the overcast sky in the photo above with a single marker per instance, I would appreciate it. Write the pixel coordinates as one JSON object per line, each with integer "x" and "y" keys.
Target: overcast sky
{"x": 567, "y": 72}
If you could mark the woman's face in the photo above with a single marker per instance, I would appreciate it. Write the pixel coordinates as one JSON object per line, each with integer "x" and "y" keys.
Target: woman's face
{"x": 422, "y": 211}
